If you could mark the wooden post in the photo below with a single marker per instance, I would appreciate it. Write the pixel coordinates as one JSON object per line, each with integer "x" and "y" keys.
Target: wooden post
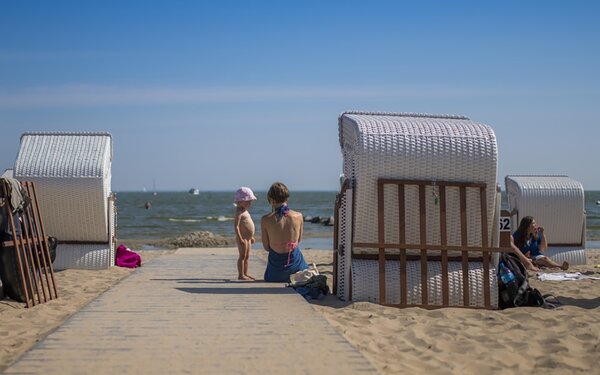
{"x": 402, "y": 238}
{"x": 444, "y": 243}
{"x": 381, "y": 237}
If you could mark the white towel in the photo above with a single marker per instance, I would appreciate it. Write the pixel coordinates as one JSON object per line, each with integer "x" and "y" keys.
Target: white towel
{"x": 564, "y": 276}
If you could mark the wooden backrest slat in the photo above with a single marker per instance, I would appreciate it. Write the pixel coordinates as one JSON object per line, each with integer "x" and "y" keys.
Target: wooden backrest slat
{"x": 402, "y": 237}
{"x": 42, "y": 230}
{"x": 444, "y": 243}
{"x": 423, "y": 239}
{"x": 381, "y": 236}
{"x": 464, "y": 242}
{"x": 485, "y": 242}
{"x": 37, "y": 241}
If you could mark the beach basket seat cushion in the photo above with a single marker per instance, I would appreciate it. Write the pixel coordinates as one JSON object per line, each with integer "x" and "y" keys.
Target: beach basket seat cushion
{"x": 73, "y": 174}
{"x": 412, "y": 147}
{"x": 557, "y": 203}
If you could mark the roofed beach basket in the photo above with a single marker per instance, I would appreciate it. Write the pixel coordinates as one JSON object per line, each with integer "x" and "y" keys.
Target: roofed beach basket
{"x": 417, "y": 215}
{"x": 558, "y": 204}
{"x": 72, "y": 172}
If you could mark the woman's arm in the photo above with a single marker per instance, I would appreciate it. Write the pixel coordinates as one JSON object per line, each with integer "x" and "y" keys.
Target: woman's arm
{"x": 301, "y": 218}
{"x": 543, "y": 242}
{"x": 264, "y": 234}
{"x": 526, "y": 261}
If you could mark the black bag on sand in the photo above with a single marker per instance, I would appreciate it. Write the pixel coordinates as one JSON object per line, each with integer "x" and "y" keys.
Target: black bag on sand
{"x": 12, "y": 285}
{"x": 9, "y": 272}
{"x": 514, "y": 288}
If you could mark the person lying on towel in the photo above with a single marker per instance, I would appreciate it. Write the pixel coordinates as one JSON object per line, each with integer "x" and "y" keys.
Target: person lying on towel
{"x": 281, "y": 232}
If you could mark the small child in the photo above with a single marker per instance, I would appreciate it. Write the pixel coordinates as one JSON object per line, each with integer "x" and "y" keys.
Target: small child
{"x": 244, "y": 229}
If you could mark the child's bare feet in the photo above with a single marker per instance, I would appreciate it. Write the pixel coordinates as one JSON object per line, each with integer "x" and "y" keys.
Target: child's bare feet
{"x": 244, "y": 277}
{"x": 250, "y": 277}
{"x": 565, "y": 266}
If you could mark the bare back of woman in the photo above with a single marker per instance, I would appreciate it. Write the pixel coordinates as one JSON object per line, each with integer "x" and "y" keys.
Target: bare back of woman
{"x": 281, "y": 232}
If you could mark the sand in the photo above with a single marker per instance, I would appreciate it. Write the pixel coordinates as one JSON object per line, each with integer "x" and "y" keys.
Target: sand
{"x": 442, "y": 341}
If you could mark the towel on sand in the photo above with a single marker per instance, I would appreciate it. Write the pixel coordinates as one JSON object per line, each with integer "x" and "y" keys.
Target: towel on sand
{"x": 564, "y": 276}
{"x": 127, "y": 258}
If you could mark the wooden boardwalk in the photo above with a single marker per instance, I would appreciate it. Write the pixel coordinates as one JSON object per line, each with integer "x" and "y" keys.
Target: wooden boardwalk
{"x": 183, "y": 314}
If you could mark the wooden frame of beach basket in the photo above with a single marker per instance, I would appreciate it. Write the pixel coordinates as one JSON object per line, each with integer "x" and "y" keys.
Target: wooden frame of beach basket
{"x": 32, "y": 250}
{"x": 424, "y": 247}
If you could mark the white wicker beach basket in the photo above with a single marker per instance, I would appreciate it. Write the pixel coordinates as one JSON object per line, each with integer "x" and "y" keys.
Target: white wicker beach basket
{"x": 558, "y": 204}
{"x": 417, "y": 147}
{"x": 72, "y": 172}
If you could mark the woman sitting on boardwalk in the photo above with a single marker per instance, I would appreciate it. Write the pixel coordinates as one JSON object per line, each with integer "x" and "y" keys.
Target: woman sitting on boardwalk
{"x": 281, "y": 232}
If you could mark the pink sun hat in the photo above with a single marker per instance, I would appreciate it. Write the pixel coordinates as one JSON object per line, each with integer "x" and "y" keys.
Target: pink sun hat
{"x": 244, "y": 194}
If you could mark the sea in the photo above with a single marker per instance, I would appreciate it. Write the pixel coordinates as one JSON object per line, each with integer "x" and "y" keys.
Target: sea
{"x": 173, "y": 214}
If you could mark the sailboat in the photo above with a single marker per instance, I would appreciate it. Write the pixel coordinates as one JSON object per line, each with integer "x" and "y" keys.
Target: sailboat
{"x": 194, "y": 191}
{"x": 154, "y": 187}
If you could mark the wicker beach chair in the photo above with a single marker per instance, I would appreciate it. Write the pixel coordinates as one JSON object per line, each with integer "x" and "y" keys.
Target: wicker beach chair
{"x": 72, "y": 172}
{"x": 416, "y": 187}
{"x": 557, "y": 203}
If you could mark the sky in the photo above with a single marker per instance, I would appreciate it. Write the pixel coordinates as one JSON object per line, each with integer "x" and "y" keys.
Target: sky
{"x": 222, "y": 94}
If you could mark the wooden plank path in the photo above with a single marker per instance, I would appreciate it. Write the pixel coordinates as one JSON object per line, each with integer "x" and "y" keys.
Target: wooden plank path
{"x": 184, "y": 314}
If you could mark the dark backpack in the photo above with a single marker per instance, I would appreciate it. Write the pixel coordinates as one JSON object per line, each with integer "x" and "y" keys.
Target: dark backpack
{"x": 513, "y": 285}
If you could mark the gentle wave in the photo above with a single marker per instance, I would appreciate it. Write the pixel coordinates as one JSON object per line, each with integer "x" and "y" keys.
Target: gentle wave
{"x": 186, "y": 220}
{"x": 219, "y": 218}
{"x": 208, "y": 218}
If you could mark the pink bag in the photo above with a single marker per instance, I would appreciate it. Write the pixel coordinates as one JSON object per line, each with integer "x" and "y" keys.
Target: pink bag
{"x": 127, "y": 258}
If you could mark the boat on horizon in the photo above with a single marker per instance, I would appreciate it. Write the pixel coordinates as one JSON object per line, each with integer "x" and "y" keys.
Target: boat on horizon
{"x": 194, "y": 191}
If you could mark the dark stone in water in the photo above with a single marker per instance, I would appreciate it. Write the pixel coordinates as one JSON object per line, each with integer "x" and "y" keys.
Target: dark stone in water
{"x": 327, "y": 221}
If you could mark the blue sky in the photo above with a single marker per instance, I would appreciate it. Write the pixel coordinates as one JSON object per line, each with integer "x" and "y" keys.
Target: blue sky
{"x": 216, "y": 95}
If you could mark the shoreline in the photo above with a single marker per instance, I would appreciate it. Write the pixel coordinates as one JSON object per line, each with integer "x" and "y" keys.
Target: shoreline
{"x": 209, "y": 239}
{"x": 445, "y": 340}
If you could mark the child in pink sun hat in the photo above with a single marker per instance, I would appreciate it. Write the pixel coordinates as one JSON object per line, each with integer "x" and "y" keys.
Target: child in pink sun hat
{"x": 244, "y": 229}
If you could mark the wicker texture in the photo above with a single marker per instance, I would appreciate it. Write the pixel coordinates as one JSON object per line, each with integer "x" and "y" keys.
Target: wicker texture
{"x": 558, "y": 204}
{"x": 409, "y": 146}
{"x": 84, "y": 256}
{"x": 419, "y": 147}
{"x": 73, "y": 174}
{"x": 365, "y": 280}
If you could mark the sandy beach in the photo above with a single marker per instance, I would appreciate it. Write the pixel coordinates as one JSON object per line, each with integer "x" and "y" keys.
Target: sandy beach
{"x": 451, "y": 340}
